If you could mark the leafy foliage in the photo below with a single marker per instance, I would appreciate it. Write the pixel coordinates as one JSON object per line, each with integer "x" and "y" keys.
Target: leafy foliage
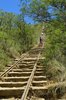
{"x": 55, "y": 41}
{"x": 43, "y": 10}
{"x": 16, "y": 37}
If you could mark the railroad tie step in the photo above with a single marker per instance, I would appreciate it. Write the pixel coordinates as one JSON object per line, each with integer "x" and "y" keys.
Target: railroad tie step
{"x": 26, "y": 62}
{"x": 25, "y": 78}
{"x": 24, "y": 65}
{"x": 11, "y": 92}
{"x": 40, "y": 66}
{"x": 33, "y": 59}
{"x": 38, "y": 73}
{"x": 39, "y": 69}
{"x": 21, "y": 84}
{"x": 39, "y": 83}
{"x": 17, "y": 92}
{"x": 19, "y": 74}
{"x": 13, "y": 84}
{"x": 39, "y": 91}
{"x": 22, "y": 70}
{"x": 15, "y": 79}
{"x": 36, "y": 78}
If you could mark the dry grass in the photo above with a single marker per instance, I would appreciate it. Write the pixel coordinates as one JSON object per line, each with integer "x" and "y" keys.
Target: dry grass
{"x": 55, "y": 71}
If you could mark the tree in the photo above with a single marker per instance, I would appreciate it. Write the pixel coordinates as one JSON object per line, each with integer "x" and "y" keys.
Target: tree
{"x": 35, "y": 9}
{"x": 43, "y": 10}
{"x": 6, "y": 20}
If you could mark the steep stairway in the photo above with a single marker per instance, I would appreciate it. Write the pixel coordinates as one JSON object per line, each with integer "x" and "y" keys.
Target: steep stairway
{"x": 13, "y": 81}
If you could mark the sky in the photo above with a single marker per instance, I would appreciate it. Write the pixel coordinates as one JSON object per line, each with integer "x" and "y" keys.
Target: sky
{"x": 13, "y": 6}
{"x": 10, "y": 6}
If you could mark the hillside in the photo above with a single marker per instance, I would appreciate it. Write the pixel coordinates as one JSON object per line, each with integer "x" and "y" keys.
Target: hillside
{"x": 16, "y": 37}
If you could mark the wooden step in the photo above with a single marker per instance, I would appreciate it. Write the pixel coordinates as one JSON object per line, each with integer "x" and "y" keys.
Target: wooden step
{"x": 33, "y": 59}
{"x": 38, "y": 73}
{"x": 25, "y": 69}
{"x": 25, "y": 72}
{"x": 39, "y": 91}
{"x": 25, "y": 78}
{"x": 39, "y": 66}
{"x": 39, "y": 83}
{"x": 21, "y": 70}
{"x": 20, "y": 84}
{"x": 17, "y": 92}
{"x": 36, "y": 78}
{"x": 39, "y": 69}
{"x": 39, "y": 88}
{"x": 15, "y": 79}
{"x": 19, "y": 74}
{"x": 26, "y": 66}
{"x": 13, "y": 84}
{"x": 11, "y": 92}
{"x": 32, "y": 55}
{"x": 27, "y": 63}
